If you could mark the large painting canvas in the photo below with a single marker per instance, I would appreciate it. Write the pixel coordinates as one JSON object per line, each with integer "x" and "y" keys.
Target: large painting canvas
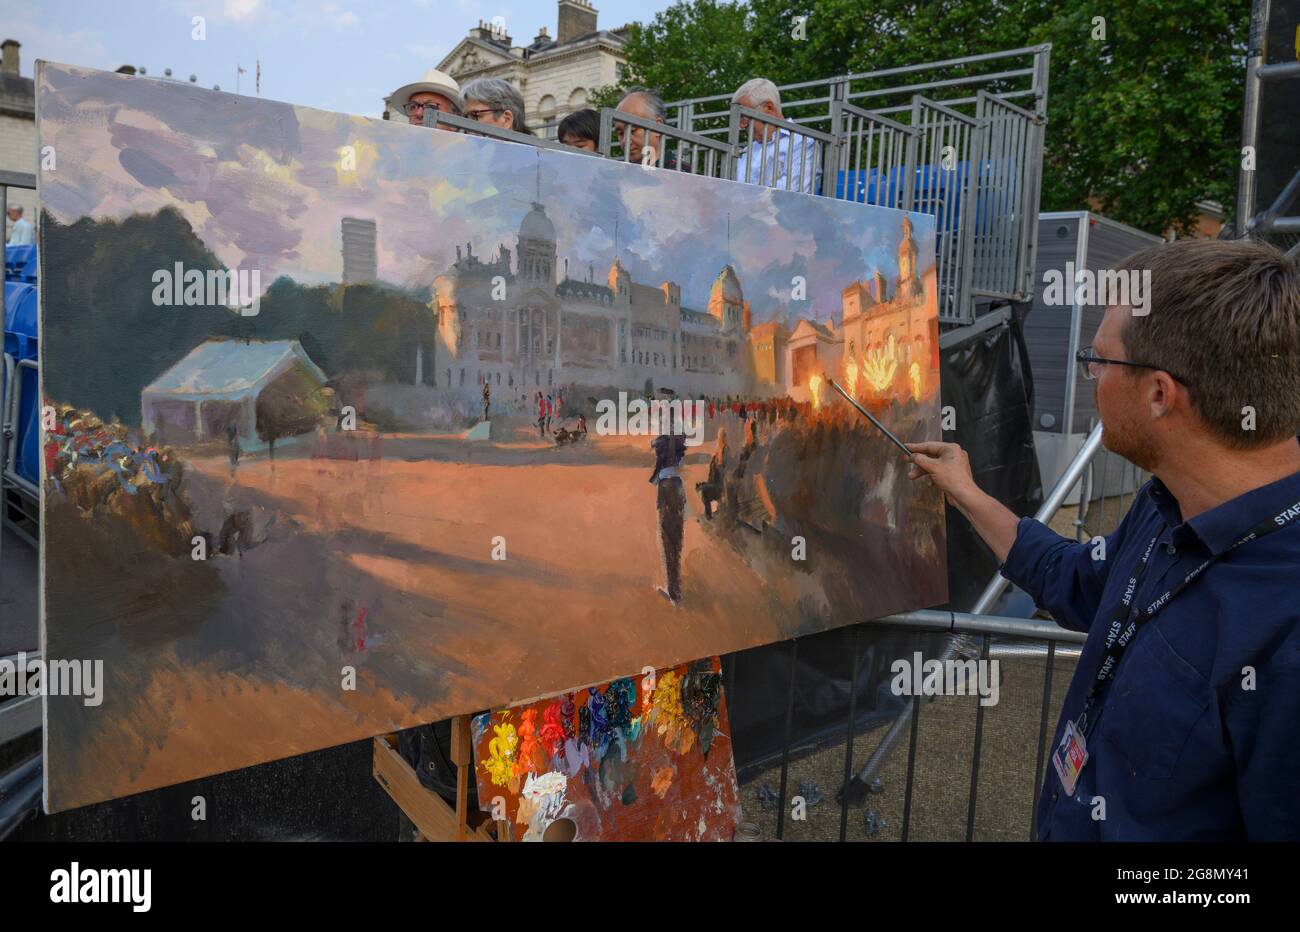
{"x": 354, "y": 425}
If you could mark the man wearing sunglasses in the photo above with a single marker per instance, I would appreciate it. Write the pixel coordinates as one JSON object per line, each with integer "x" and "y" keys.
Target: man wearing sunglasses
{"x": 435, "y": 90}
{"x": 1183, "y": 718}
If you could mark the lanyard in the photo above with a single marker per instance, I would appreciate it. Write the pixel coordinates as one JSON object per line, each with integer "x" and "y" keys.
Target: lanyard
{"x": 1121, "y": 635}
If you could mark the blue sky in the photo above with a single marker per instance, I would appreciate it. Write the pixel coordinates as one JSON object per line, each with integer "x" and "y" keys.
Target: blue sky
{"x": 343, "y": 55}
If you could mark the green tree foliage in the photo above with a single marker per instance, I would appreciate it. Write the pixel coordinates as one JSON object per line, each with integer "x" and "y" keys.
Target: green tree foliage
{"x": 1143, "y": 123}
{"x": 98, "y": 308}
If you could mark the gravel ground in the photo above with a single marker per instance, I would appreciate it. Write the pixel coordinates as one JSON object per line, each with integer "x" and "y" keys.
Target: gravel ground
{"x": 941, "y": 783}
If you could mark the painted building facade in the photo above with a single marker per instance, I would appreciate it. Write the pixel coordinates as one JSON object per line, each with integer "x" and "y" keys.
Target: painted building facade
{"x": 518, "y": 321}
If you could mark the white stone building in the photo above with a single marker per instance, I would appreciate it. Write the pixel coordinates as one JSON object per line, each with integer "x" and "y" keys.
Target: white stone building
{"x": 556, "y": 75}
{"x": 17, "y": 128}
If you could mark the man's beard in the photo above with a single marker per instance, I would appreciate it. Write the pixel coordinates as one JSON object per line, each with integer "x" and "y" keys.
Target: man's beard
{"x": 1123, "y": 440}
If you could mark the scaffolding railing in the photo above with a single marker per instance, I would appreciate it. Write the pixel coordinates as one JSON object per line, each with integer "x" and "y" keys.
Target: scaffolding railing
{"x": 662, "y": 146}
{"x": 777, "y": 153}
{"x": 875, "y": 159}
{"x": 961, "y": 139}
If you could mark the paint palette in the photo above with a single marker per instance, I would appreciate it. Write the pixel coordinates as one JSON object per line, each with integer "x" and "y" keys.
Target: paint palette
{"x": 631, "y": 760}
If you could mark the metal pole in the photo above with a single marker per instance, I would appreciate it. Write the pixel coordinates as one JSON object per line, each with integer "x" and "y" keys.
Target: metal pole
{"x": 1250, "y": 112}
{"x": 1049, "y": 508}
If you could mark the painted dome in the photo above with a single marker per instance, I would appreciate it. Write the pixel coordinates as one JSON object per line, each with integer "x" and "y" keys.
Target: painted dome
{"x": 536, "y": 225}
{"x": 727, "y": 286}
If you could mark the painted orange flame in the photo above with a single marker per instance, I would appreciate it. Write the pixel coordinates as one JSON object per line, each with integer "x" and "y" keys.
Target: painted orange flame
{"x": 880, "y": 366}
{"x": 814, "y": 389}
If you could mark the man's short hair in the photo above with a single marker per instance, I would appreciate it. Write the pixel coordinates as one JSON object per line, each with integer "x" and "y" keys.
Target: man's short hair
{"x": 583, "y": 124}
{"x": 658, "y": 110}
{"x": 16, "y": 208}
{"x": 757, "y": 91}
{"x": 1225, "y": 316}
{"x": 499, "y": 94}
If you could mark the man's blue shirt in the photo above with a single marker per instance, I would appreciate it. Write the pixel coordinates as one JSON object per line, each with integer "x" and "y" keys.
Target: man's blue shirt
{"x": 1199, "y": 733}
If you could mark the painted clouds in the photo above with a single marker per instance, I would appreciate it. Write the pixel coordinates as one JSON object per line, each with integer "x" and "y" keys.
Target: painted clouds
{"x": 267, "y": 183}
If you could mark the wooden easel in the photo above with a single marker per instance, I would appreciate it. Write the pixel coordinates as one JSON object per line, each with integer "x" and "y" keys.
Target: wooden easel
{"x": 436, "y": 820}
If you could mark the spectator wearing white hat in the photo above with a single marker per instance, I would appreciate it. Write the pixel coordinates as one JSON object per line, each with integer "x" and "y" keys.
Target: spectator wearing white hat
{"x": 435, "y": 89}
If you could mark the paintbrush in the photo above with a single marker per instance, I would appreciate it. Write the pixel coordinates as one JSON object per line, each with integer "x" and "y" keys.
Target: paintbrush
{"x": 870, "y": 417}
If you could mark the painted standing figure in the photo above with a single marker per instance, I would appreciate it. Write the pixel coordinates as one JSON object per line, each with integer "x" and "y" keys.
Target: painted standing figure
{"x": 232, "y": 445}
{"x": 670, "y": 449}
{"x": 487, "y": 399}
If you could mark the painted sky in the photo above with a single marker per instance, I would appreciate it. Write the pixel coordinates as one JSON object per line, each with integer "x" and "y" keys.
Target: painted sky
{"x": 266, "y": 181}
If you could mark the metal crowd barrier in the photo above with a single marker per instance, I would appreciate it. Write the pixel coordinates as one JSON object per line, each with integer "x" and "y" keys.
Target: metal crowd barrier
{"x": 974, "y": 635}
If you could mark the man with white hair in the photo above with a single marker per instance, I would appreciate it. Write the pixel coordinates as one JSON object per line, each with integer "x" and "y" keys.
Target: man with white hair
{"x": 435, "y": 90}
{"x": 23, "y": 233}
{"x": 496, "y": 102}
{"x": 774, "y": 157}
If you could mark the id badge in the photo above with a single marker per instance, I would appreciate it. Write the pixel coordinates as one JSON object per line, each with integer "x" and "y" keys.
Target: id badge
{"x": 1070, "y": 756}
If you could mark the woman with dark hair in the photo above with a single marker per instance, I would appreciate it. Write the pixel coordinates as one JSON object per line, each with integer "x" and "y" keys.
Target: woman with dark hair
{"x": 581, "y": 129}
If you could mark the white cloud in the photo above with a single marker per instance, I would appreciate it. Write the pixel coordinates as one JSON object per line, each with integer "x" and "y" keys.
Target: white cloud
{"x": 239, "y": 10}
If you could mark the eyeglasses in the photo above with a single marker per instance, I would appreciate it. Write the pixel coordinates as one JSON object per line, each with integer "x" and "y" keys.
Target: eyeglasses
{"x": 477, "y": 115}
{"x": 416, "y": 105}
{"x": 1090, "y": 365}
